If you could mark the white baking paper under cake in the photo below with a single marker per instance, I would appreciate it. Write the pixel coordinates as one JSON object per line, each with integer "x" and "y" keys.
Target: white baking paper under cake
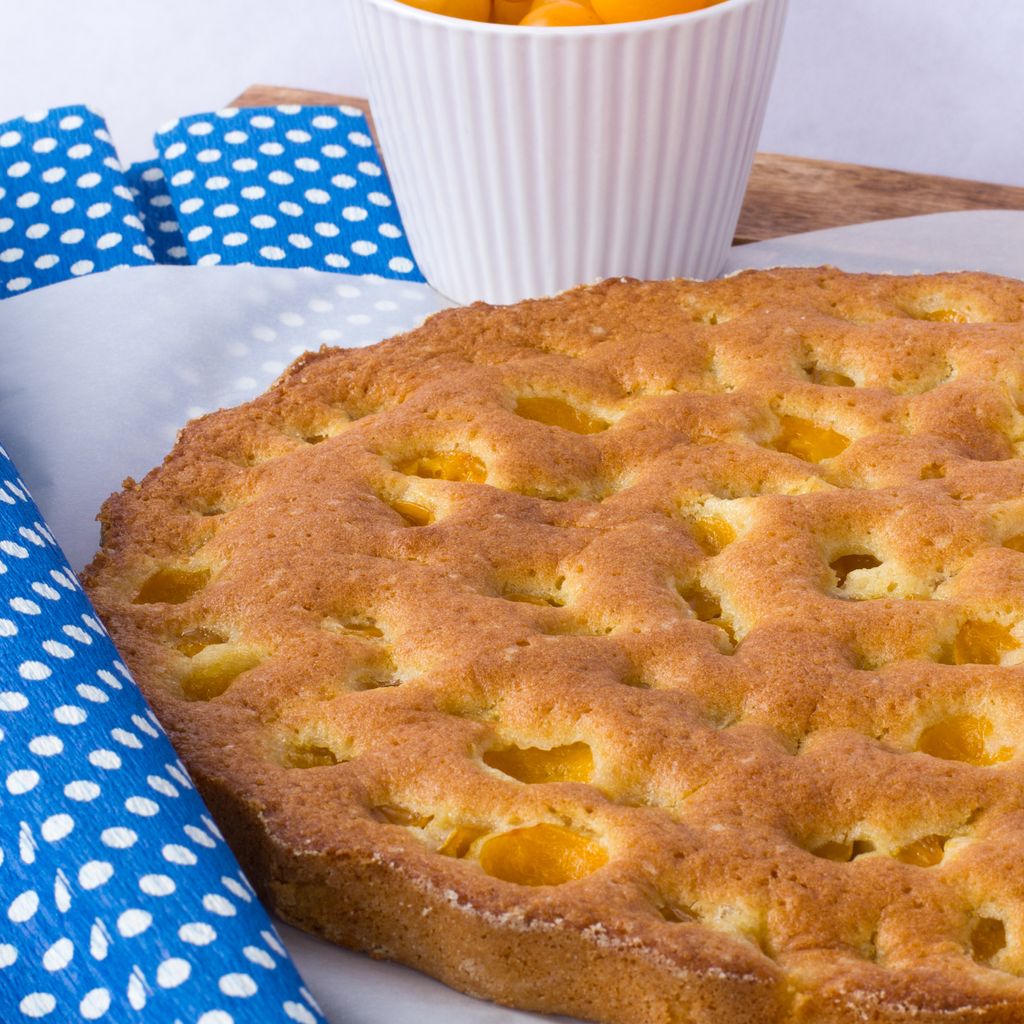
{"x": 99, "y": 374}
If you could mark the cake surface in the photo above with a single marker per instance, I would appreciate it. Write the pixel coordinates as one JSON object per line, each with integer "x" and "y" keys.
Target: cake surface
{"x": 652, "y": 653}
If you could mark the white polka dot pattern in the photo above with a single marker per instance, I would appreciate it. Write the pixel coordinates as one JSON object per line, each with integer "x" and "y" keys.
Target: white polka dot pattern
{"x": 65, "y": 210}
{"x": 120, "y": 900}
{"x": 284, "y": 186}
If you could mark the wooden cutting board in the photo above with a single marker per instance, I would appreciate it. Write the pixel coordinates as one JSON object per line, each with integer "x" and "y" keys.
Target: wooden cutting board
{"x": 786, "y": 194}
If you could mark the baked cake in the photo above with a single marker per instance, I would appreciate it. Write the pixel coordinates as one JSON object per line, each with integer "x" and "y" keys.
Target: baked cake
{"x": 651, "y": 653}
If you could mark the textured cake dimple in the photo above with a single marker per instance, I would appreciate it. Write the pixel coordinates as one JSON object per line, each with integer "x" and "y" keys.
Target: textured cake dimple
{"x": 649, "y": 653}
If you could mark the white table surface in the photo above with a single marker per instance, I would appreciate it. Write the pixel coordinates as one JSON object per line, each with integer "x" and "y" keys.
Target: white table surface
{"x": 924, "y": 85}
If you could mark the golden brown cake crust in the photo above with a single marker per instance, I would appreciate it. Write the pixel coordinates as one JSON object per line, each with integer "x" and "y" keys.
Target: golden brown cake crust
{"x": 702, "y": 603}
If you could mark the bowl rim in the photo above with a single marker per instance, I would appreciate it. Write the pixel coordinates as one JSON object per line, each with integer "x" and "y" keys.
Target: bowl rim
{"x": 465, "y": 25}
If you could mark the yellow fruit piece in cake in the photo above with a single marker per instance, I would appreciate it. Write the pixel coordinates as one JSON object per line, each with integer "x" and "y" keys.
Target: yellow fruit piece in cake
{"x": 541, "y": 855}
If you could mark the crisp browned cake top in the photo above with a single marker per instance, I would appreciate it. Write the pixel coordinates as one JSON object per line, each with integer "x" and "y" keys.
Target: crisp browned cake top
{"x": 652, "y": 653}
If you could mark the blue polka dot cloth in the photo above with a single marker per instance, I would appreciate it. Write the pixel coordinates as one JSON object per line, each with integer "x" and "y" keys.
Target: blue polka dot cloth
{"x": 291, "y": 185}
{"x": 119, "y": 900}
{"x": 65, "y": 208}
{"x": 284, "y": 186}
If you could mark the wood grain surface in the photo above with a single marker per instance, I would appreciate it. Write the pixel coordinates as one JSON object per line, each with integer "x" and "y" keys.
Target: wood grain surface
{"x": 786, "y": 194}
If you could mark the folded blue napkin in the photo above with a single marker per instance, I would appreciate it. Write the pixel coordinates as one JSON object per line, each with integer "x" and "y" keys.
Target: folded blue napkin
{"x": 119, "y": 900}
{"x": 278, "y": 186}
{"x": 65, "y": 206}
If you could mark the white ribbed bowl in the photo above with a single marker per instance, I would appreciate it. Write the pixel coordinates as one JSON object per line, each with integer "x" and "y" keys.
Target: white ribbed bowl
{"x": 528, "y": 160}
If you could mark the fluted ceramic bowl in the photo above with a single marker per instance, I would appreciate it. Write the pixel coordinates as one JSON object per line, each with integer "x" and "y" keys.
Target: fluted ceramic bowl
{"x": 526, "y": 160}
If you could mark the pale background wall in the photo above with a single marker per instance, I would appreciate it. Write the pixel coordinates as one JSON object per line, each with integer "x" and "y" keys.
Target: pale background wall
{"x": 929, "y": 85}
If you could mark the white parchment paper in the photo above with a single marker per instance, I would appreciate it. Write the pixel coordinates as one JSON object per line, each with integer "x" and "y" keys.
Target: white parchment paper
{"x": 98, "y": 374}
{"x": 990, "y": 240}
